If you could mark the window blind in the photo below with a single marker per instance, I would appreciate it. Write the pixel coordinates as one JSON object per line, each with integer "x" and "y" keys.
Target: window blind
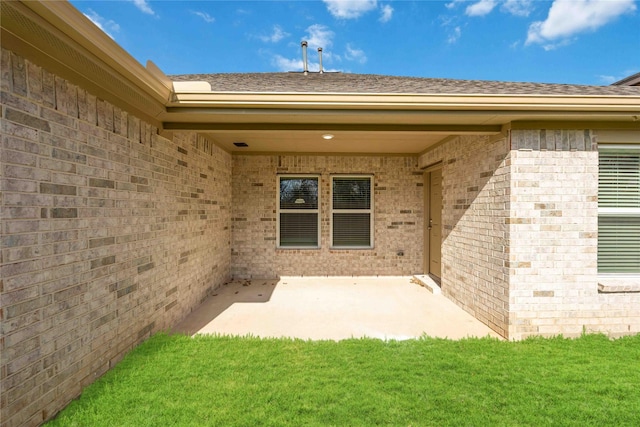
{"x": 298, "y": 212}
{"x": 619, "y": 210}
{"x": 619, "y": 180}
{"x": 351, "y": 217}
{"x": 618, "y": 244}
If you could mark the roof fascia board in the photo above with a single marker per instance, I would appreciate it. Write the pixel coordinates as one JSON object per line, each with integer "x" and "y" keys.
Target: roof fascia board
{"x": 452, "y": 101}
{"x": 37, "y": 39}
{"x": 69, "y": 20}
{"x": 18, "y": 46}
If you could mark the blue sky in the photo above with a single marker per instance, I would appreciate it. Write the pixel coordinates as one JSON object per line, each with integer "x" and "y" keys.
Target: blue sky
{"x": 557, "y": 41}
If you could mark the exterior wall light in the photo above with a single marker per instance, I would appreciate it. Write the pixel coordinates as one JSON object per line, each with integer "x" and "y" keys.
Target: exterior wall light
{"x": 327, "y": 136}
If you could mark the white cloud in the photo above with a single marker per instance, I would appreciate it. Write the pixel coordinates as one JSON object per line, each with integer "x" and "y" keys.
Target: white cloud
{"x": 567, "y": 18}
{"x": 286, "y": 64}
{"x": 484, "y": 7}
{"x": 353, "y": 54}
{"x": 481, "y": 8}
{"x": 386, "y": 12}
{"x": 349, "y": 9}
{"x": 518, "y": 7}
{"x": 205, "y": 16}
{"x": 277, "y": 35}
{"x": 454, "y": 36}
{"x": 607, "y": 80}
{"x": 143, "y": 6}
{"x": 453, "y": 4}
{"x": 108, "y": 26}
{"x": 319, "y": 35}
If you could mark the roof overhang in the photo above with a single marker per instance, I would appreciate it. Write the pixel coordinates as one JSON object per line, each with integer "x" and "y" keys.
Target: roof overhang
{"x": 58, "y": 37}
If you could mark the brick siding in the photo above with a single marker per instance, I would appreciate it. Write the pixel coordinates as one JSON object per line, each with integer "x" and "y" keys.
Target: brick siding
{"x": 553, "y": 263}
{"x": 475, "y": 238}
{"x": 398, "y": 199}
{"x": 520, "y": 233}
{"x": 110, "y": 233}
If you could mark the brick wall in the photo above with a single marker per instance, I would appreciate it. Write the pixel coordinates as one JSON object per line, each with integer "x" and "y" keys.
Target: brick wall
{"x": 554, "y": 236}
{"x": 475, "y": 238}
{"x": 398, "y": 200}
{"x": 110, "y": 233}
{"x": 520, "y": 226}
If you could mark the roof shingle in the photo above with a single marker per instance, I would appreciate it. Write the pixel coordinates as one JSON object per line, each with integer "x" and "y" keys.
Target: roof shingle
{"x": 380, "y": 84}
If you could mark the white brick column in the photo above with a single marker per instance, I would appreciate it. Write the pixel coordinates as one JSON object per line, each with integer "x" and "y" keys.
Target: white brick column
{"x": 553, "y": 228}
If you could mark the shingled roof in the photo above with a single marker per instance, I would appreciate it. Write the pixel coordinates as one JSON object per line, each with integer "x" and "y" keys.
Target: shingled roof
{"x": 372, "y": 83}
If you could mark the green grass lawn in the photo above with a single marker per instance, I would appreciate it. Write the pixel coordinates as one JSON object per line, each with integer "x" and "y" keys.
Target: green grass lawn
{"x": 224, "y": 381}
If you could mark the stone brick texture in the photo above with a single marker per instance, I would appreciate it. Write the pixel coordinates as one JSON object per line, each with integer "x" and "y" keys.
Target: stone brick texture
{"x": 475, "y": 204}
{"x": 553, "y": 232}
{"x": 520, "y": 230}
{"x": 398, "y": 217}
{"x": 110, "y": 232}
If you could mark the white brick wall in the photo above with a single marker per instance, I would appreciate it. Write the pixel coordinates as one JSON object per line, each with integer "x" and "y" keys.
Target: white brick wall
{"x": 553, "y": 260}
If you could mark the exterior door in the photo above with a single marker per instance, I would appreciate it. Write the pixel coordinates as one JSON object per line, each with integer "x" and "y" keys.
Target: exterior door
{"x": 434, "y": 224}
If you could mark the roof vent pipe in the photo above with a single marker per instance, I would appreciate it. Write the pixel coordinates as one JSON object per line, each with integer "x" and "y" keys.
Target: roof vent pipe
{"x": 304, "y": 56}
{"x": 320, "y": 58}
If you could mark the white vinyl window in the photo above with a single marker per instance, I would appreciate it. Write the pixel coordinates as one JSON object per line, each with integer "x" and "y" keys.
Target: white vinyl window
{"x": 352, "y": 211}
{"x": 298, "y": 212}
{"x": 619, "y": 209}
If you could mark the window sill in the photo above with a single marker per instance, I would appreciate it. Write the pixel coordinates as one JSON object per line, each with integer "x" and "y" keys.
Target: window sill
{"x": 351, "y": 248}
{"x": 297, "y": 248}
{"x": 612, "y": 284}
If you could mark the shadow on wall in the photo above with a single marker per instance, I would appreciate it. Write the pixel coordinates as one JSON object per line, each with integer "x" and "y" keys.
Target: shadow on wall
{"x": 475, "y": 229}
{"x": 238, "y": 291}
{"x": 475, "y": 186}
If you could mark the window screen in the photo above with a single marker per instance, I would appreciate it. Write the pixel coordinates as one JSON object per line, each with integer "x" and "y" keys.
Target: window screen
{"x": 619, "y": 210}
{"x": 298, "y": 212}
{"x": 351, "y": 212}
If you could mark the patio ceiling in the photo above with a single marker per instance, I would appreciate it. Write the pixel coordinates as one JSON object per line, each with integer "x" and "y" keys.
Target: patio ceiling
{"x": 289, "y": 112}
{"x": 394, "y": 129}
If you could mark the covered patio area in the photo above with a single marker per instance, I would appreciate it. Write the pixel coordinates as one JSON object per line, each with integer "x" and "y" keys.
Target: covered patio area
{"x": 331, "y": 308}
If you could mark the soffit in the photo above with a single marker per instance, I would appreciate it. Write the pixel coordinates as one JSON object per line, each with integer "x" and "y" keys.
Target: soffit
{"x": 56, "y": 36}
{"x": 275, "y": 111}
{"x": 360, "y": 142}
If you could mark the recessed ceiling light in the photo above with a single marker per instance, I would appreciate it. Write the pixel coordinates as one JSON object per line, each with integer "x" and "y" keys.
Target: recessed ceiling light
{"x": 327, "y": 136}
{"x": 240, "y": 144}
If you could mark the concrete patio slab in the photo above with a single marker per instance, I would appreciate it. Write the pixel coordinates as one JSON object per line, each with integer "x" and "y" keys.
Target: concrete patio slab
{"x": 332, "y": 308}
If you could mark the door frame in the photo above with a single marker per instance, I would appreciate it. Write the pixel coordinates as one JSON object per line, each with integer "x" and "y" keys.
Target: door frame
{"x": 426, "y": 209}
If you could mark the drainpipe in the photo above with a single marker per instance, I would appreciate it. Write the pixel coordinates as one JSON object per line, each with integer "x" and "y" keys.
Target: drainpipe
{"x": 304, "y": 57}
{"x": 320, "y": 58}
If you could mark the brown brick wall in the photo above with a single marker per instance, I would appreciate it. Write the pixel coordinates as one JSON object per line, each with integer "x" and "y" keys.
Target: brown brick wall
{"x": 398, "y": 199}
{"x": 110, "y": 233}
{"x": 475, "y": 239}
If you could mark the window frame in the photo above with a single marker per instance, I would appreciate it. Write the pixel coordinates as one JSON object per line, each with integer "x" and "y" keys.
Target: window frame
{"x": 370, "y": 211}
{"x": 317, "y": 211}
{"x": 614, "y": 212}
